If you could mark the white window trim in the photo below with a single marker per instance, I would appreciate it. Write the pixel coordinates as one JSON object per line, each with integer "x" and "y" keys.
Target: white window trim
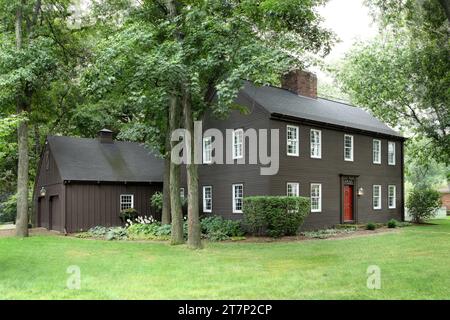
{"x": 373, "y": 151}
{"x": 204, "y": 199}
{"x": 205, "y": 139}
{"x": 242, "y": 144}
{"x": 182, "y": 194}
{"x": 393, "y": 144}
{"x": 234, "y": 198}
{"x": 352, "y": 139}
{"x": 319, "y": 156}
{"x": 394, "y": 197}
{"x": 122, "y": 202}
{"x": 379, "y": 196}
{"x": 297, "y": 130}
{"x": 293, "y": 183}
{"x": 320, "y": 197}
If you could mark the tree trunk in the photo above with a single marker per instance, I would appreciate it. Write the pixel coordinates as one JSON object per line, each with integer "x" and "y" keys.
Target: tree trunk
{"x": 194, "y": 230}
{"x": 175, "y": 201}
{"x": 446, "y": 6}
{"x": 22, "y": 138}
{"x": 165, "y": 216}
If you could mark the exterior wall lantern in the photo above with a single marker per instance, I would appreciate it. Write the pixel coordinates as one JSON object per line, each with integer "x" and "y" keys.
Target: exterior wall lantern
{"x": 42, "y": 192}
{"x": 360, "y": 192}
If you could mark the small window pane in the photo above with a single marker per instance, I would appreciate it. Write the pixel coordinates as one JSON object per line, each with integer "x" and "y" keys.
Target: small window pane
{"x": 391, "y": 153}
{"x": 292, "y": 140}
{"x": 126, "y": 201}
{"x": 377, "y": 197}
{"x": 316, "y": 143}
{"x": 377, "y": 151}
{"x": 238, "y": 140}
{"x": 392, "y": 197}
{"x": 348, "y": 147}
{"x": 292, "y": 189}
{"x": 207, "y": 199}
{"x": 207, "y": 150}
{"x": 238, "y": 192}
{"x": 316, "y": 197}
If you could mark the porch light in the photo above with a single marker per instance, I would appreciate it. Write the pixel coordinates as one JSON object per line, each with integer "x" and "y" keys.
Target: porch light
{"x": 360, "y": 192}
{"x": 43, "y": 192}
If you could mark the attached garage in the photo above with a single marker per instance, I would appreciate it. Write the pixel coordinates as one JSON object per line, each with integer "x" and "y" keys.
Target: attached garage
{"x": 84, "y": 183}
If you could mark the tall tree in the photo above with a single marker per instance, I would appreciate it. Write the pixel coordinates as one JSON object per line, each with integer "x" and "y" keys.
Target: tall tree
{"x": 403, "y": 76}
{"x": 197, "y": 54}
{"x": 34, "y": 54}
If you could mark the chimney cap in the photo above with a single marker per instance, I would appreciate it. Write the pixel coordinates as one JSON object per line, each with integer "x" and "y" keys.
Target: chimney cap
{"x": 104, "y": 130}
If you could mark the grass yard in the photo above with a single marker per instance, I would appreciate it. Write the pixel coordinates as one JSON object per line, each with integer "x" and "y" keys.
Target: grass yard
{"x": 414, "y": 262}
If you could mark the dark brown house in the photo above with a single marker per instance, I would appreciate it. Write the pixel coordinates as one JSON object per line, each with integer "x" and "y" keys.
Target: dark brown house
{"x": 349, "y": 163}
{"x": 83, "y": 183}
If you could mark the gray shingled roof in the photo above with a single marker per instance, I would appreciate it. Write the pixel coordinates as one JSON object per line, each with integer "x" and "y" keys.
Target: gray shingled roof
{"x": 81, "y": 159}
{"x": 281, "y": 101}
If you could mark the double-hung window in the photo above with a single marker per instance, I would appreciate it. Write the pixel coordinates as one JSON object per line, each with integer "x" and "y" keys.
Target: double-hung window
{"x": 238, "y": 144}
{"x": 376, "y": 197}
{"x": 207, "y": 199}
{"x": 238, "y": 195}
{"x": 207, "y": 150}
{"x": 392, "y": 197}
{"x": 376, "y": 151}
{"x": 391, "y": 153}
{"x": 316, "y": 197}
{"x": 292, "y": 189}
{"x": 348, "y": 147}
{"x": 182, "y": 196}
{"x": 126, "y": 201}
{"x": 292, "y": 140}
{"x": 316, "y": 144}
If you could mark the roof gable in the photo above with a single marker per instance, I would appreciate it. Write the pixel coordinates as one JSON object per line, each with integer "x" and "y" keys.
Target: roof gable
{"x": 281, "y": 101}
{"x": 81, "y": 159}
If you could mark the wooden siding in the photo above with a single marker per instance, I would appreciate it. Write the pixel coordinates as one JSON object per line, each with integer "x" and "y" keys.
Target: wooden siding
{"x": 222, "y": 177}
{"x": 89, "y": 205}
{"x": 49, "y": 178}
{"x": 328, "y": 171}
{"x": 303, "y": 169}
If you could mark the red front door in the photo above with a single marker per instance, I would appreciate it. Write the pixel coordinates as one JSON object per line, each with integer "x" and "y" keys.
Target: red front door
{"x": 348, "y": 203}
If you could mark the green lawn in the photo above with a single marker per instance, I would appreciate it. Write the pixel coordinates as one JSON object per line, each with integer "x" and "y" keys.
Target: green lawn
{"x": 414, "y": 262}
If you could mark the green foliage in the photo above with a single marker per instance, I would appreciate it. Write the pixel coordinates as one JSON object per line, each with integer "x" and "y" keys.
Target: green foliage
{"x": 99, "y": 232}
{"x": 371, "y": 226}
{"x": 403, "y": 75}
{"x": 8, "y": 209}
{"x": 128, "y": 214}
{"x": 392, "y": 224}
{"x": 216, "y": 228}
{"x": 275, "y": 216}
{"x": 152, "y": 231}
{"x": 157, "y": 201}
{"x": 422, "y": 204}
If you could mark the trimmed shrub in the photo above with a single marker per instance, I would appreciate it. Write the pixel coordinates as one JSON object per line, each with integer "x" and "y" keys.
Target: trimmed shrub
{"x": 275, "y": 216}
{"x": 422, "y": 204}
{"x": 392, "y": 223}
{"x": 371, "y": 226}
{"x": 218, "y": 229}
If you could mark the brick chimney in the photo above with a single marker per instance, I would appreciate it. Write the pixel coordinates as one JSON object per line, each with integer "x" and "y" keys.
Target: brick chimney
{"x": 105, "y": 136}
{"x": 300, "y": 82}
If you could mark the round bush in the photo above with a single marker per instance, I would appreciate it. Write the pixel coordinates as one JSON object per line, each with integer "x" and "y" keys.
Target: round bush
{"x": 371, "y": 226}
{"x": 392, "y": 223}
{"x": 422, "y": 204}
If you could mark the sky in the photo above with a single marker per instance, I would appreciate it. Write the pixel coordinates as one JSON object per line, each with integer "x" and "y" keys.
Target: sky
{"x": 350, "y": 20}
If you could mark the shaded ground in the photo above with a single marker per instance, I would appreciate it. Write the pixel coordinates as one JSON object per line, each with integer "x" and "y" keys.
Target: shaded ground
{"x": 414, "y": 264}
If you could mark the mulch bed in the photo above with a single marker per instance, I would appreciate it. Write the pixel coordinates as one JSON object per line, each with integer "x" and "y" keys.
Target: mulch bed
{"x": 339, "y": 236}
